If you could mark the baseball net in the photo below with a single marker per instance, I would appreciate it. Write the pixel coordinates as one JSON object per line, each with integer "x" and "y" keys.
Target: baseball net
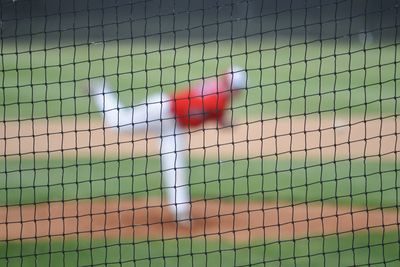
{"x": 303, "y": 171}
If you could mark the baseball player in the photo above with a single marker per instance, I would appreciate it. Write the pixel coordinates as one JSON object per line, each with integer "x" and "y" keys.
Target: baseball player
{"x": 171, "y": 116}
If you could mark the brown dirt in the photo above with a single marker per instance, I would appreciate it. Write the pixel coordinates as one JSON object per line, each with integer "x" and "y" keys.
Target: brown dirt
{"x": 238, "y": 222}
{"x": 311, "y": 136}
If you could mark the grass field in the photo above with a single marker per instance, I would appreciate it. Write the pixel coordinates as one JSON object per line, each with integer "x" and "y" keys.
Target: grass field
{"x": 370, "y": 183}
{"x": 283, "y": 81}
{"x": 287, "y": 80}
{"x": 378, "y": 249}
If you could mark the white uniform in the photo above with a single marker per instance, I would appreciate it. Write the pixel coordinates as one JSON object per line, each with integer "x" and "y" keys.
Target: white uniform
{"x": 153, "y": 116}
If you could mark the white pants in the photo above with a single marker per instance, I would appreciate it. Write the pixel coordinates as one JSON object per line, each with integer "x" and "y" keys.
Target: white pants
{"x": 154, "y": 116}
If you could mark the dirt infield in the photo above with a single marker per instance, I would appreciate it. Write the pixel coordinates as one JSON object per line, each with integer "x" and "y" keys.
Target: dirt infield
{"x": 311, "y": 136}
{"x": 239, "y": 222}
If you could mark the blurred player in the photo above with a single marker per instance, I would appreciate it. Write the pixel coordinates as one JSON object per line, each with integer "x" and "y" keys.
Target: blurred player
{"x": 171, "y": 116}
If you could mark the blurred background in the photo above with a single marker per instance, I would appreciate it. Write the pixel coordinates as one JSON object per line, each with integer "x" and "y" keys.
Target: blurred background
{"x": 192, "y": 21}
{"x": 343, "y": 52}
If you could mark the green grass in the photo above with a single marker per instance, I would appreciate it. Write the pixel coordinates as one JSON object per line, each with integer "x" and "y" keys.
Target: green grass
{"x": 357, "y": 249}
{"x": 283, "y": 80}
{"x": 366, "y": 183}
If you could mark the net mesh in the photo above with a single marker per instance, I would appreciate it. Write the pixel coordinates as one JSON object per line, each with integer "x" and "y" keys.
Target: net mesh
{"x": 301, "y": 169}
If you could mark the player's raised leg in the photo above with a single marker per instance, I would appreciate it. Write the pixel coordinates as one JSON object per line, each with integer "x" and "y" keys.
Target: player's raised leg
{"x": 141, "y": 117}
